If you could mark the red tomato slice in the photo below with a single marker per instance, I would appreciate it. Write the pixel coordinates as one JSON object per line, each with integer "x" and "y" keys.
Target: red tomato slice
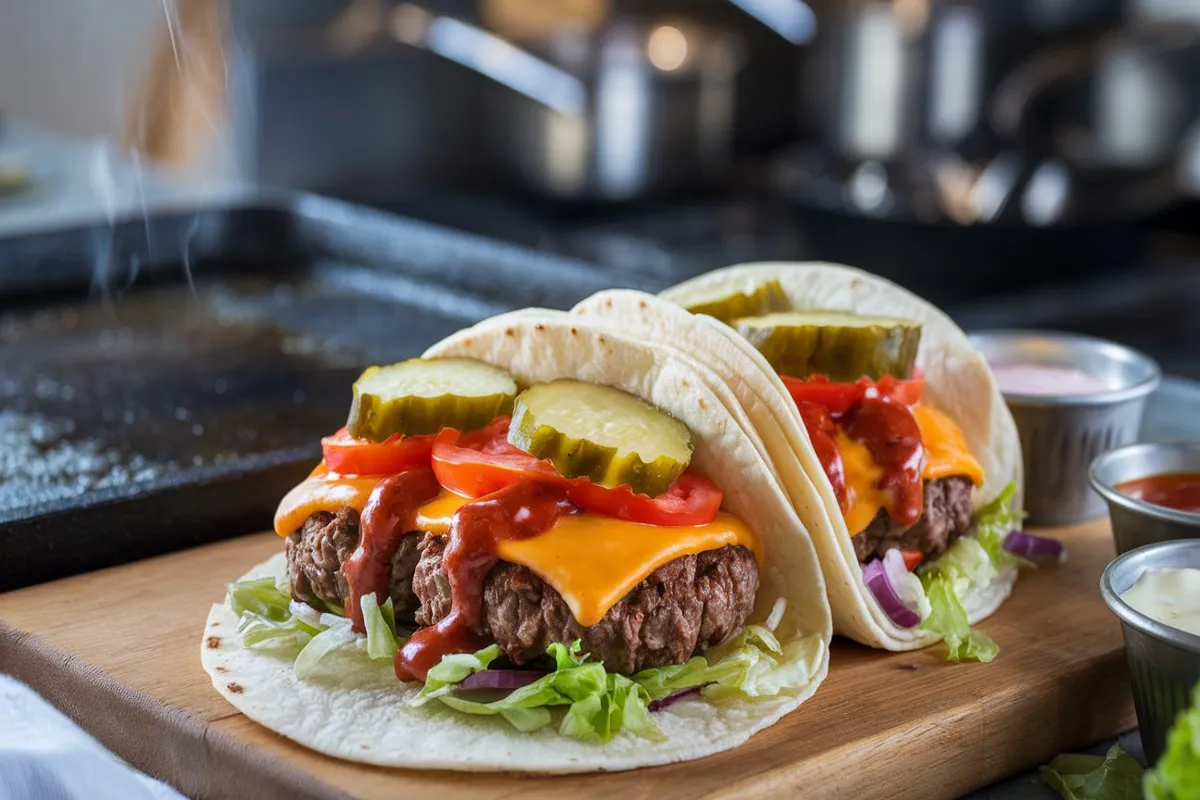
{"x": 479, "y": 463}
{"x": 912, "y": 558}
{"x": 839, "y": 398}
{"x": 346, "y": 455}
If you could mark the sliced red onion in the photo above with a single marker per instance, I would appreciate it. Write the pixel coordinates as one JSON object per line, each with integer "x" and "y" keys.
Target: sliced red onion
{"x": 885, "y": 582}
{"x": 502, "y": 678}
{"x": 1035, "y": 548}
{"x": 674, "y": 697}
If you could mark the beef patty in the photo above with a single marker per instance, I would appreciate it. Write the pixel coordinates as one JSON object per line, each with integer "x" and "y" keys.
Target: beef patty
{"x": 686, "y": 605}
{"x": 947, "y": 516}
{"x": 316, "y": 552}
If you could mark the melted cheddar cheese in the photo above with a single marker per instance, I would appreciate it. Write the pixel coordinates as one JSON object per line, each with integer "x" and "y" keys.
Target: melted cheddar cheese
{"x": 863, "y": 497}
{"x": 322, "y": 491}
{"x": 946, "y": 451}
{"x": 946, "y": 454}
{"x": 591, "y": 560}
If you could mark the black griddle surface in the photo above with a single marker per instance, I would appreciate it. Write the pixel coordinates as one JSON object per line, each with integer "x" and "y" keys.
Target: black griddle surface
{"x": 172, "y": 402}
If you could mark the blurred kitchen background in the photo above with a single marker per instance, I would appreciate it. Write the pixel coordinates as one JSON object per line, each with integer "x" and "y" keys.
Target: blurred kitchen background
{"x": 1022, "y": 162}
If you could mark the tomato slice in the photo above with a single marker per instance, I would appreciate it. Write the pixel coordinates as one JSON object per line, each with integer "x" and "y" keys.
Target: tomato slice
{"x": 347, "y": 455}
{"x": 912, "y": 558}
{"x": 482, "y": 462}
{"x": 839, "y": 398}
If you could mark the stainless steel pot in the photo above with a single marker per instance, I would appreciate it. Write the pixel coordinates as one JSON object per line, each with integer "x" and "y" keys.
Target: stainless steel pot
{"x": 985, "y": 112}
{"x": 639, "y": 106}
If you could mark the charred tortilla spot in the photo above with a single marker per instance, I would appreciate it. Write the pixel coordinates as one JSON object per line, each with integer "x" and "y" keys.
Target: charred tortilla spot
{"x": 213, "y": 642}
{"x": 222, "y": 669}
{"x": 236, "y": 688}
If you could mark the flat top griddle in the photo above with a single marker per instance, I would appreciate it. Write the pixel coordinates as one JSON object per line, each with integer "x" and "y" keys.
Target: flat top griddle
{"x": 172, "y": 401}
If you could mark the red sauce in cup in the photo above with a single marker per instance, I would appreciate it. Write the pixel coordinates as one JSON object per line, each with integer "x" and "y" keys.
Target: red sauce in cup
{"x": 1177, "y": 490}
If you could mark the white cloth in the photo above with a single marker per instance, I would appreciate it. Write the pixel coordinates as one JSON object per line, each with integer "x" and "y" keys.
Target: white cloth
{"x": 45, "y": 756}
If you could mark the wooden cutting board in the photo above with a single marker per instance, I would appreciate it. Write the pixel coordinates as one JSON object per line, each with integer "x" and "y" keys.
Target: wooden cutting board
{"x": 118, "y": 650}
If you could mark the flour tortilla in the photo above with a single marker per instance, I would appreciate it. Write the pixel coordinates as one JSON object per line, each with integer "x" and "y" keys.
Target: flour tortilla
{"x": 362, "y": 717}
{"x": 958, "y": 382}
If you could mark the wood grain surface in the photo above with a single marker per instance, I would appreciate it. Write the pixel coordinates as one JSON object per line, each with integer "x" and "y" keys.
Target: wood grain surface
{"x": 118, "y": 650}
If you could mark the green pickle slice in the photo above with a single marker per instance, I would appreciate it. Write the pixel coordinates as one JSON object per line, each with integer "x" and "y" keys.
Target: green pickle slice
{"x": 421, "y": 396}
{"x": 609, "y": 436}
{"x": 764, "y": 299}
{"x": 843, "y": 346}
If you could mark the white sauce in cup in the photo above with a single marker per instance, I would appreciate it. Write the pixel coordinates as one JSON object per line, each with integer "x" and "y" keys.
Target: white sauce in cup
{"x": 1170, "y": 595}
{"x": 1044, "y": 379}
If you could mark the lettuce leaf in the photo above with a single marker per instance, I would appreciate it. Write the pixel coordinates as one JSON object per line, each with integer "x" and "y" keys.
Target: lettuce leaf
{"x": 754, "y": 664}
{"x": 970, "y": 565}
{"x": 596, "y": 705}
{"x": 380, "y": 622}
{"x": 265, "y": 618}
{"x": 1115, "y": 776}
{"x": 1176, "y": 776}
{"x": 269, "y": 619}
{"x": 599, "y": 704}
{"x": 993, "y": 524}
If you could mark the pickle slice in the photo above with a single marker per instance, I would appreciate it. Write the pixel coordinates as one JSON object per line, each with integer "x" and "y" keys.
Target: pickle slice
{"x": 421, "y": 396}
{"x": 764, "y": 299}
{"x": 843, "y": 346}
{"x": 609, "y": 436}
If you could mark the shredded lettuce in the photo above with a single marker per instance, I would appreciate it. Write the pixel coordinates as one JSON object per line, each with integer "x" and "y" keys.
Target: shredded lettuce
{"x": 970, "y": 565}
{"x": 993, "y": 524}
{"x": 595, "y": 704}
{"x": 265, "y": 618}
{"x": 599, "y": 704}
{"x": 1114, "y": 776}
{"x": 380, "y": 622}
{"x": 269, "y": 619}
{"x": 1176, "y": 776}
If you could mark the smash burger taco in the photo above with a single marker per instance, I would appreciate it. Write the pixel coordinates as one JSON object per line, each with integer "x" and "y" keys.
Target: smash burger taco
{"x": 539, "y": 547}
{"x": 872, "y": 399}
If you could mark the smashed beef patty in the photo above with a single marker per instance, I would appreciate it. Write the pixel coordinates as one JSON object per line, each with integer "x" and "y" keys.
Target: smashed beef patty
{"x": 947, "y": 516}
{"x": 684, "y": 606}
{"x": 316, "y": 552}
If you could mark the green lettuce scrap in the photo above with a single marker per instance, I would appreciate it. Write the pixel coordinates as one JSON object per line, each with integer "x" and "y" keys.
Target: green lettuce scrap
{"x": 1114, "y": 776}
{"x": 595, "y": 704}
{"x": 970, "y": 564}
{"x": 1176, "y": 776}
{"x": 599, "y": 704}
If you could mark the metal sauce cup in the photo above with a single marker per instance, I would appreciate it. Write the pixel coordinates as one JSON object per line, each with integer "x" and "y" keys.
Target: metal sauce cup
{"x": 1136, "y": 522}
{"x": 1061, "y": 433}
{"x": 1164, "y": 662}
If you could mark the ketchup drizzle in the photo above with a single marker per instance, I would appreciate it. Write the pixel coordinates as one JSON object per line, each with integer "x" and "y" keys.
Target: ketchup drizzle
{"x": 520, "y": 511}
{"x": 821, "y": 431}
{"x": 390, "y": 512}
{"x": 890, "y": 431}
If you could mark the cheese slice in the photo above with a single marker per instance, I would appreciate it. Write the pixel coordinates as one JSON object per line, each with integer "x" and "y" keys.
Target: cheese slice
{"x": 322, "y": 491}
{"x": 863, "y": 497}
{"x": 591, "y": 560}
{"x": 946, "y": 451}
{"x": 946, "y": 454}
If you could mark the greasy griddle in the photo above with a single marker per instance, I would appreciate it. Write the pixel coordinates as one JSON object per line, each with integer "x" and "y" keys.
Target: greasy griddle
{"x": 162, "y": 384}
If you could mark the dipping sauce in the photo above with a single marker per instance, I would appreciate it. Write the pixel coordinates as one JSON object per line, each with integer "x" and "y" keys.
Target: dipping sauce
{"x": 1044, "y": 379}
{"x": 1177, "y": 490}
{"x": 1170, "y": 595}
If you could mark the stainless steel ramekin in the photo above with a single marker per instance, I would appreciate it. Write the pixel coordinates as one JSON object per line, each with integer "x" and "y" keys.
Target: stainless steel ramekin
{"x": 1136, "y": 522}
{"x": 1061, "y": 434}
{"x": 1164, "y": 663}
